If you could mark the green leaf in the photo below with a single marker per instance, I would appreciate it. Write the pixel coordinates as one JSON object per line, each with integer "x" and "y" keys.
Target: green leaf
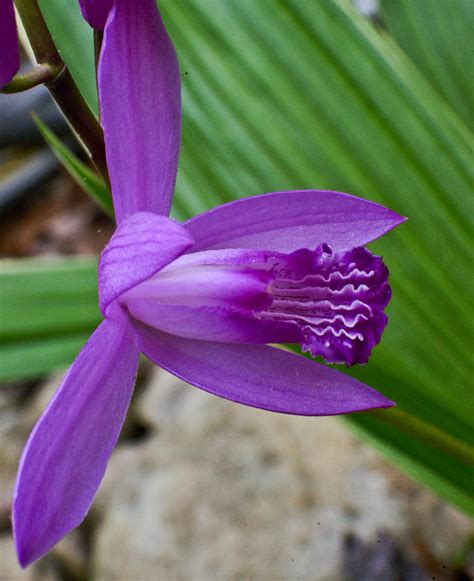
{"x": 89, "y": 181}
{"x": 49, "y": 308}
{"x": 439, "y": 46}
{"x": 43, "y": 299}
{"x": 287, "y": 94}
{"x": 397, "y": 443}
{"x": 74, "y": 40}
{"x": 35, "y": 357}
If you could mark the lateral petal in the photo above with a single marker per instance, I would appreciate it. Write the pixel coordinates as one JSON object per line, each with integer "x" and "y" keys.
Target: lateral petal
{"x": 259, "y": 376}
{"x": 66, "y": 455}
{"x": 10, "y": 55}
{"x": 140, "y": 96}
{"x": 142, "y": 244}
{"x": 286, "y": 221}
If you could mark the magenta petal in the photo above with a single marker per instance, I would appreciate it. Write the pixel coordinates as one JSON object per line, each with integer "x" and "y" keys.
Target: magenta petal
{"x": 96, "y": 12}
{"x": 67, "y": 453}
{"x": 286, "y": 221}
{"x": 215, "y": 323}
{"x": 9, "y": 53}
{"x": 139, "y": 89}
{"x": 143, "y": 244}
{"x": 259, "y": 376}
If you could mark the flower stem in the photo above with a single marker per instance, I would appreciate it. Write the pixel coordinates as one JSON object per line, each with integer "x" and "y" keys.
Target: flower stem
{"x": 38, "y": 75}
{"x": 62, "y": 87}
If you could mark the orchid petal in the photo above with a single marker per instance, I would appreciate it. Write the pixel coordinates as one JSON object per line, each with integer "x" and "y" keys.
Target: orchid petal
{"x": 190, "y": 280}
{"x": 142, "y": 245}
{"x": 212, "y": 301}
{"x": 212, "y": 323}
{"x": 10, "y": 55}
{"x": 96, "y": 12}
{"x": 259, "y": 376}
{"x": 66, "y": 455}
{"x": 139, "y": 89}
{"x": 286, "y": 221}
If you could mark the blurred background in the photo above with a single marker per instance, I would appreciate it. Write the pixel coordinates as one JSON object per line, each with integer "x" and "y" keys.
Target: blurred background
{"x": 376, "y": 99}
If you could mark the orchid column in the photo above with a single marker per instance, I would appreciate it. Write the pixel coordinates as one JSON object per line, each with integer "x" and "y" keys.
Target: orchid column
{"x": 203, "y": 299}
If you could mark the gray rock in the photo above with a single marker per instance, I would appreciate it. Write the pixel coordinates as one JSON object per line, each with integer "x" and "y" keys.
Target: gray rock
{"x": 9, "y": 569}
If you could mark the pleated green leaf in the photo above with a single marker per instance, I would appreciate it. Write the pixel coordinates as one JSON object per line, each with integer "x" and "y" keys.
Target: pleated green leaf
{"x": 48, "y": 310}
{"x": 45, "y": 296}
{"x": 288, "y": 94}
{"x": 440, "y": 43}
{"x": 30, "y": 359}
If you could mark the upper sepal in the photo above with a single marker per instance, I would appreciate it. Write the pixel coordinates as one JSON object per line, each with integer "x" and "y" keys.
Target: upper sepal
{"x": 140, "y": 103}
{"x": 142, "y": 245}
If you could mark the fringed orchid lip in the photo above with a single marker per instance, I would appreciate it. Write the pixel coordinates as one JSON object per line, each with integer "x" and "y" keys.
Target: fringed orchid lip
{"x": 336, "y": 299}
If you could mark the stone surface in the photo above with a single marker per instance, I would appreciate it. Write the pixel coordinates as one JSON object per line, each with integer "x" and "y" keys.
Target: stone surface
{"x": 11, "y": 571}
{"x": 9, "y": 568}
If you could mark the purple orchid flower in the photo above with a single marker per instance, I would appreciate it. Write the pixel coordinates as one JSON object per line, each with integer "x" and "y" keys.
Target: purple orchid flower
{"x": 203, "y": 299}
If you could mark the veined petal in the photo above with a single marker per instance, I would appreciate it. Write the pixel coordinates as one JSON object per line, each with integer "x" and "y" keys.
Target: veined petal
{"x": 67, "y": 453}
{"x": 286, "y": 221}
{"x": 237, "y": 287}
{"x": 142, "y": 245}
{"x": 139, "y": 89}
{"x": 9, "y": 53}
{"x": 96, "y": 12}
{"x": 222, "y": 324}
{"x": 259, "y": 376}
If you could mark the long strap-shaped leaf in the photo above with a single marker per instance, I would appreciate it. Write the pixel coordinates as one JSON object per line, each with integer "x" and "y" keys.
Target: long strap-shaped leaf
{"x": 439, "y": 45}
{"x": 48, "y": 308}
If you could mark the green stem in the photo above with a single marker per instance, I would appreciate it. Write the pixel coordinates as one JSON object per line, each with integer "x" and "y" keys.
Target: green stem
{"x": 63, "y": 88}
{"x": 429, "y": 434}
{"x": 38, "y": 75}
